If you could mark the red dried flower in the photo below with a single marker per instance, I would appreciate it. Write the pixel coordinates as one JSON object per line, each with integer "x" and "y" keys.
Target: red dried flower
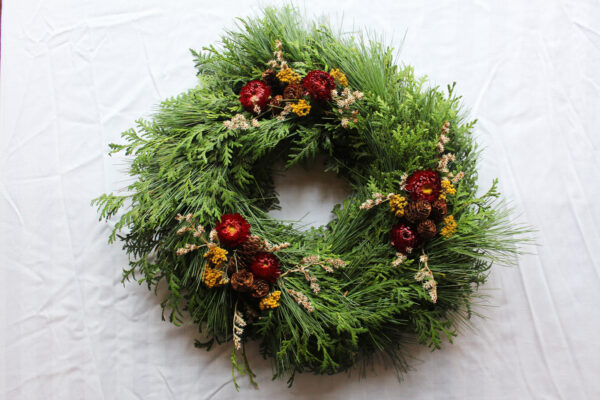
{"x": 232, "y": 230}
{"x": 255, "y": 94}
{"x": 424, "y": 185}
{"x": 404, "y": 238}
{"x": 319, "y": 84}
{"x": 266, "y": 266}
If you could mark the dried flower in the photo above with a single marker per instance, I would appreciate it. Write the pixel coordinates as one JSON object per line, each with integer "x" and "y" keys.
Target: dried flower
{"x": 449, "y": 227}
{"x": 403, "y": 238}
{"x": 255, "y": 94}
{"x": 239, "y": 121}
{"x": 216, "y": 255}
{"x": 339, "y": 77}
{"x": 288, "y": 75}
{"x": 232, "y": 229}
{"x": 271, "y": 301}
{"x": 301, "y": 108}
{"x": 397, "y": 204}
{"x": 266, "y": 266}
{"x": 319, "y": 84}
{"x": 368, "y": 204}
{"x": 187, "y": 248}
{"x": 426, "y": 276}
{"x": 183, "y": 230}
{"x": 301, "y": 299}
{"x": 238, "y": 328}
{"x": 399, "y": 259}
{"x": 423, "y": 185}
{"x": 458, "y": 177}
{"x": 448, "y": 188}
{"x": 214, "y": 277}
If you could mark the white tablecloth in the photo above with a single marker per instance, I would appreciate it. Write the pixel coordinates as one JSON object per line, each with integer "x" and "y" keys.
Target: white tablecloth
{"x": 74, "y": 74}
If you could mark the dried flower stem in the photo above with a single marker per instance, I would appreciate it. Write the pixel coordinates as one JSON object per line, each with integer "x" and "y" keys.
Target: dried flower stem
{"x": 426, "y": 276}
{"x": 238, "y": 327}
{"x": 328, "y": 265}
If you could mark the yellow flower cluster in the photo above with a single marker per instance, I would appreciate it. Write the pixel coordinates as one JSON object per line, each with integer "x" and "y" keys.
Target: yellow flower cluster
{"x": 301, "y": 108}
{"x": 447, "y": 189}
{"x": 449, "y": 226}
{"x": 271, "y": 301}
{"x": 288, "y": 75}
{"x": 397, "y": 204}
{"x": 339, "y": 76}
{"x": 216, "y": 255}
{"x": 213, "y": 277}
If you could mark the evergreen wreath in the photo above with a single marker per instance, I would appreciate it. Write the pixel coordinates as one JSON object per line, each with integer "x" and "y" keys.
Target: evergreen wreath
{"x": 403, "y": 257}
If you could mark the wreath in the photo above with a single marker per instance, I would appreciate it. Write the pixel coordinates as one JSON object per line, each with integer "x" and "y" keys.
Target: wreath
{"x": 406, "y": 251}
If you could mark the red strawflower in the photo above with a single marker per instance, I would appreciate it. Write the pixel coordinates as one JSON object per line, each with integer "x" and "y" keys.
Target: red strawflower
{"x": 424, "y": 185}
{"x": 319, "y": 84}
{"x": 232, "y": 230}
{"x": 404, "y": 238}
{"x": 255, "y": 94}
{"x": 265, "y": 266}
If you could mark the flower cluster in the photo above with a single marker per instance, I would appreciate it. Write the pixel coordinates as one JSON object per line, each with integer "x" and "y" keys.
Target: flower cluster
{"x": 426, "y": 276}
{"x": 421, "y": 206}
{"x": 282, "y": 90}
{"x": 271, "y": 301}
{"x": 239, "y": 121}
{"x": 233, "y": 255}
{"x": 449, "y": 227}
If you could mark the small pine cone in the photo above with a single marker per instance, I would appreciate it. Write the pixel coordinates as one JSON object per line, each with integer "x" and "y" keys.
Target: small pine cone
{"x": 242, "y": 281}
{"x": 417, "y": 211}
{"x": 293, "y": 91}
{"x": 251, "y": 246}
{"x": 271, "y": 79}
{"x": 427, "y": 229}
{"x": 276, "y": 104}
{"x": 439, "y": 209}
{"x": 260, "y": 288}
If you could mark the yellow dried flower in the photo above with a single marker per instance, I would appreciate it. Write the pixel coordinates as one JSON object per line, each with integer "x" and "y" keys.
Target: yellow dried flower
{"x": 450, "y": 226}
{"x": 288, "y": 75}
{"x": 339, "y": 76}
{"x": 301, "y": 108}
{"x": 448, "y": 187}
{"x": 216, "y": 255}
{"x": 397, "y": 204}
{"x": 271, "y": 301}
{"x": 214, "y": 277}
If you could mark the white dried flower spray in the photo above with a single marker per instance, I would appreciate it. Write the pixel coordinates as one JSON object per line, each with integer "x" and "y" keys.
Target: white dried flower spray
{"x": 238, "y": 328}
{"x": 426, "y": 276}
{"x": 301, "y": 299}
{"x": 328, "y": 265}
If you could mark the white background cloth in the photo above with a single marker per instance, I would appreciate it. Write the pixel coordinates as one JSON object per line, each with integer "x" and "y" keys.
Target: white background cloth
{"x": 74, "y": 74}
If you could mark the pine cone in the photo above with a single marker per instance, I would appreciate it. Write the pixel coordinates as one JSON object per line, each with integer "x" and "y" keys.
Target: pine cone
{"x": 251, "y": 246}
{"x": 276, "y": 104}
{"x": 427, "y": 229}
{"x": 293, "y": 91}
{"x": 259, "y": 289}
{"x": 242, "y": 281}
{"x": 439, "y": 209}
{"x": 417, "y": 211}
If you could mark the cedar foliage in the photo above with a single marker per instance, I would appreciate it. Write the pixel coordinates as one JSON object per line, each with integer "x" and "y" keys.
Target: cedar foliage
{"x": 184, "y": 160}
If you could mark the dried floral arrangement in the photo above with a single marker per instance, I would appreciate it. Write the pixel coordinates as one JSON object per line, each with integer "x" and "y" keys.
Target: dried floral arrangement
{"x": 402, "y": 259}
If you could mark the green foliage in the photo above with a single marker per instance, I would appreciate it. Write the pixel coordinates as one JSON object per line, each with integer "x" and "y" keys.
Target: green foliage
{"x": 185, "y": 161}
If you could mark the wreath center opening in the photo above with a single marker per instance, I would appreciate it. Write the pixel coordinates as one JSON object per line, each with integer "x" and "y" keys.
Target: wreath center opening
{"x": 307, "y": 194}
